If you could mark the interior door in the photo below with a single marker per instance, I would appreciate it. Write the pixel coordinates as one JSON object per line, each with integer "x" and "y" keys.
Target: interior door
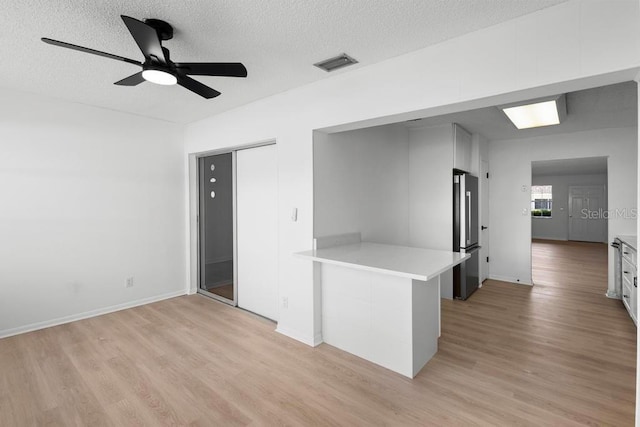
{"x": 484, "y": 221}
{"x": 587, "y": 213}
{"x": 257, "y": 230}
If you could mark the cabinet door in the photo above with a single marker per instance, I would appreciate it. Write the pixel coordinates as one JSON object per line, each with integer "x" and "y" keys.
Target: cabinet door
{"x": 629, "y": 295}
{"x": 628, "y": 271}
{"x": 629, "y": 290}
{"x": 626, "y": 296}
{"x": 634, "y": 303}
{"x": 462, "y": 148}
{"x": 629, "y": 253}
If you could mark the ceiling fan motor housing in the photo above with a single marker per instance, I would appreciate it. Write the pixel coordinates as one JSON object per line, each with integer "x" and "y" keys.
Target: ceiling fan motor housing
{"x": 163, "y": 28}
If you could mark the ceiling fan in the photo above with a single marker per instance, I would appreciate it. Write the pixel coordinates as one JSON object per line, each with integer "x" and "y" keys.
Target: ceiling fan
{"x": 157, "y": 66}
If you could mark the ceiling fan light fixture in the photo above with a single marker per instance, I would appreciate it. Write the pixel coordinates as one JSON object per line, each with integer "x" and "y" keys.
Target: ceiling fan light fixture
{"x": 159, "y": 77}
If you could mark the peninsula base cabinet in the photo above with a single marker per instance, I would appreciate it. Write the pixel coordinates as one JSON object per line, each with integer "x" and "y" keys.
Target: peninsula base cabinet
{"x": 391, "y": 321}
{"x": 630, "y": 281}
{"x": 380, "y": 302}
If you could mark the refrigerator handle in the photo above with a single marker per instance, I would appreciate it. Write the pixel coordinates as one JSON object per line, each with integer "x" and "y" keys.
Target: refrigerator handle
{"x": 468, "y": 236}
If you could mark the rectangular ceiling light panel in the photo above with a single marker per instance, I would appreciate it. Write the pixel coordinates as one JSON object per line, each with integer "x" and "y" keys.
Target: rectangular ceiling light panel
{"x": 534, "y": 115}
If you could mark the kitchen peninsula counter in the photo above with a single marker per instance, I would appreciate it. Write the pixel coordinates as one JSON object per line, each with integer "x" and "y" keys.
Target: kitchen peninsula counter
{"x": 401, "y": 261}
{"x": 382, "y": 302}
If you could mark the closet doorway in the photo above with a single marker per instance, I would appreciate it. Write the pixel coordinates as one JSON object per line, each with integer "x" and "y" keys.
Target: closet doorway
{"x": 238, "y": 228}
{"x": 217, "y": 227}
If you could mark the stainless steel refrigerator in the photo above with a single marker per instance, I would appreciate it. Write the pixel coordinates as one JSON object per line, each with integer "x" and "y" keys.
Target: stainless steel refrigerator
{"x": 466, "y": 276}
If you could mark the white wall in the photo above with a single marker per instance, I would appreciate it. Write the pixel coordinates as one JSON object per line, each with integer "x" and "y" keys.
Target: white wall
{"x": 361, "y": 184}
{"x": 510, "y": 205}
{"x": 431, "y": 187}
{"x": 556, "y": 227}
{"x": 585, "y": 44}
{"x": 431, "y": 193}
{"x": 89, "y": 197}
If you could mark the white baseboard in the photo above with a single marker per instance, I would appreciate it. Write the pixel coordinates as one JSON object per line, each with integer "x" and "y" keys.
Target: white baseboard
{"x": 509, "y": 279}
{"x": 87, "y": 314}
{"x": 305, "y": 339}
{"x": 317, "y": 340}
{"x": 613, "y": 295}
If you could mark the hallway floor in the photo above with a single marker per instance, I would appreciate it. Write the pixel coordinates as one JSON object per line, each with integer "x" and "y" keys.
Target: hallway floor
{"x": 569, "y": 268}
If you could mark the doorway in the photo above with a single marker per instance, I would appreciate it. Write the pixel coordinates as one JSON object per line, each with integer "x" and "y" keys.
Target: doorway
{"x": 238, "y": 228}
{"x": 484, "y": 219}
{"x": 569, "y": 227}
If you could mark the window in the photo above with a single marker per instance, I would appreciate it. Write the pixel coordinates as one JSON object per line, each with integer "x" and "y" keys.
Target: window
{"x": 541, "y": 200}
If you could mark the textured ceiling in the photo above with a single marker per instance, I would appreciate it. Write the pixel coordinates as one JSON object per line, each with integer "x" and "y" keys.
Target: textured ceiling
{"x": 277, "y": 40}
{"x": 597, "y": 108}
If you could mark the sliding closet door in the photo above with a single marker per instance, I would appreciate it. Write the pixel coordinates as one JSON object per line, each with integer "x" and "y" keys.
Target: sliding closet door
{"x": 257, "y": 230}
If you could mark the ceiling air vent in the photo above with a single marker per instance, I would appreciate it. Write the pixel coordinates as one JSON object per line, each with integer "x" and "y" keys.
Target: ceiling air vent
{"x": 334, "y": 63}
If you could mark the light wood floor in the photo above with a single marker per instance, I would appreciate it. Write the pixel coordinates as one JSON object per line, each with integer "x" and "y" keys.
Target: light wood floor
{"x": 552, "y": 262}
{"x": 510, "y": 355}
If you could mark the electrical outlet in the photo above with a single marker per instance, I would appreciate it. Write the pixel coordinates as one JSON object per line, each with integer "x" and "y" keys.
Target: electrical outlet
{"x": 129, "y": 282}
{"x": 285, "y": 302}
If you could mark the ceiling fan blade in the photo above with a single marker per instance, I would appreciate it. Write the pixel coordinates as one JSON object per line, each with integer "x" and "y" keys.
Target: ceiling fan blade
{"x": 87, "y": 50}
{"x": 225, "y": 69}
{"x": 133, "y": 80}
{"x": 147, "y": 39}
{"x": 197, "y": 87}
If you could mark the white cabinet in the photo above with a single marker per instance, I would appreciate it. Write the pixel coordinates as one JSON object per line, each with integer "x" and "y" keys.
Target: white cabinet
{"x": 462, "y": 148}
{"x": 629, "y": 281}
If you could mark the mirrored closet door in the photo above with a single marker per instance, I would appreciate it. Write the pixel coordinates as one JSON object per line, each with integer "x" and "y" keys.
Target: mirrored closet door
{"x": 216, "y": 219}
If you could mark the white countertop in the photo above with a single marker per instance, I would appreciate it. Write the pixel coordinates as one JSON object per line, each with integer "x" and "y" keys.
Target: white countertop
{"x": 629, "y": 240}
{"x": 401, "y": 261}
